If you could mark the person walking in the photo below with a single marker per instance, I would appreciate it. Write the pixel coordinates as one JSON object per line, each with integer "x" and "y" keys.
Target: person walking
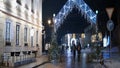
{"x": 46, "y": 48}
{"x": 79, "y": 50}
{"x": 74, "y": 50}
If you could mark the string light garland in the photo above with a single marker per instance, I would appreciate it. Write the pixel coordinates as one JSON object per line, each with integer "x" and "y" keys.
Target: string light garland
{"x": 85, "y": 10}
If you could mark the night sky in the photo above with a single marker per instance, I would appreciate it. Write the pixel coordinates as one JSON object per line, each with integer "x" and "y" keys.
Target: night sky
{"x": 50, "y": 7}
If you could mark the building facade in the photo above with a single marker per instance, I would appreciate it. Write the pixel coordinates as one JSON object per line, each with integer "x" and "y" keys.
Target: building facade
{"x": 20, "y": 31}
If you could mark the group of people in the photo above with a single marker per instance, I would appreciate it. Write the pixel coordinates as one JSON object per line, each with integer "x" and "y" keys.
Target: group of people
{"x": 76, "y": 49}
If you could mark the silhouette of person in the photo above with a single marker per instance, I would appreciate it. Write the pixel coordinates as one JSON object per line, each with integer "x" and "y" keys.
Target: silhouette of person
{"x": 74, "y": 50}
{"x": 79, "y": 50}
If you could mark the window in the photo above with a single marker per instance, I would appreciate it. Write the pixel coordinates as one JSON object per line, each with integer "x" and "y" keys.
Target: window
{"x": 25, "y": 34}
{"x": 32, "y": 6}
{"x": 32, "y": 38}
{"x": 7, "y": 37}
{"x": 19, "y": 2}
{"x": 17, "y": 34}
{"x": 37, "y": 37}
{"x": 26, "y": 6}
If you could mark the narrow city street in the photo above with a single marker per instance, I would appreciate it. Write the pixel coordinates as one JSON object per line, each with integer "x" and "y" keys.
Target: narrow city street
{"x": 81, "y": 62}
{"x": 69, "y": 61}
{"x": 59, "y": 34}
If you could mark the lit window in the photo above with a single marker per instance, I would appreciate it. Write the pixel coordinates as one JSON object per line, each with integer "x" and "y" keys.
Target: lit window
{"x": 17, "y": 34}
{"x": 32, "y": 34}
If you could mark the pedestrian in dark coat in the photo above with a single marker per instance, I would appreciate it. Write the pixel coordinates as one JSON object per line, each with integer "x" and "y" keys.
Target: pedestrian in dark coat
{"x": 74, "y": 50}
{"x": 79, "y": 50}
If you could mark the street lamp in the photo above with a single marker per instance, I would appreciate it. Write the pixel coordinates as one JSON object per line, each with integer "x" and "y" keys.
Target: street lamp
{"x": 51, "y": 26}
{"x": 53, "y": 15}
{"x": 49, "y": 21}
{"x": 97, "y": 21}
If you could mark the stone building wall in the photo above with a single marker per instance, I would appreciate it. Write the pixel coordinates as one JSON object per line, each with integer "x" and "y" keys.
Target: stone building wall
{"x": 25, "y": 13}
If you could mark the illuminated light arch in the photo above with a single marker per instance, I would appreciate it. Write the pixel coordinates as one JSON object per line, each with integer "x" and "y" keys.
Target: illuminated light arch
{"x": 67, "y": 8}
